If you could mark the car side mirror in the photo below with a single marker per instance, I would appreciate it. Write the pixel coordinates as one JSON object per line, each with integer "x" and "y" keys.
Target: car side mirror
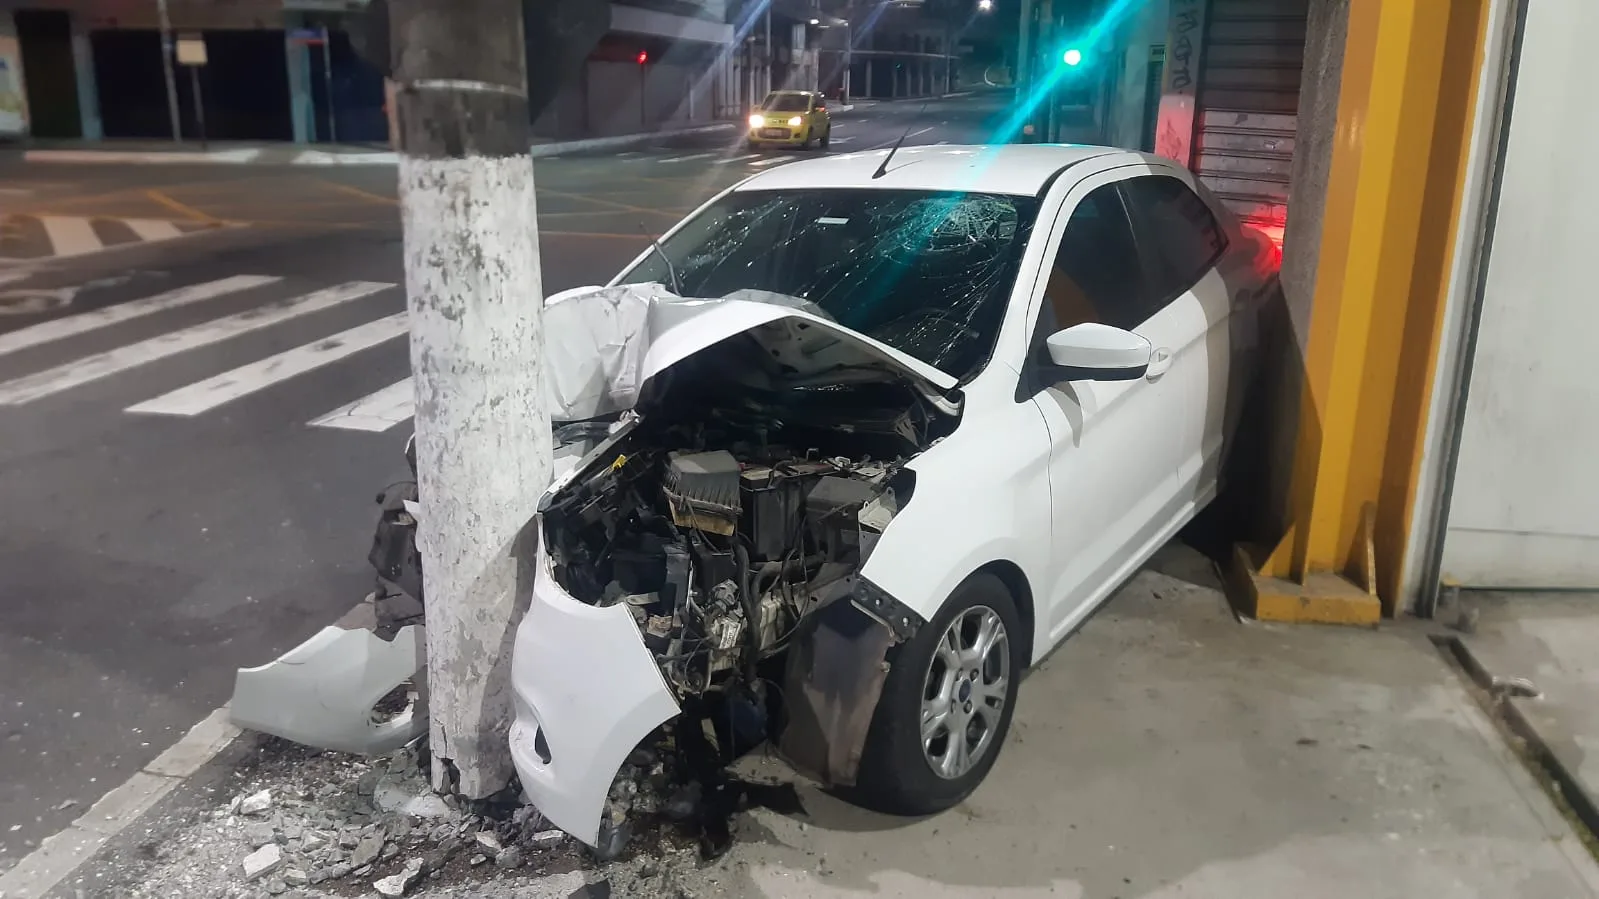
{"x": 1095, "y": 352}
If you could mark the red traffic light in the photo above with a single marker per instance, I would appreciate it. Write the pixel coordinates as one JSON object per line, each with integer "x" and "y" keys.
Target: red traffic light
{"x": 643, "y": 57}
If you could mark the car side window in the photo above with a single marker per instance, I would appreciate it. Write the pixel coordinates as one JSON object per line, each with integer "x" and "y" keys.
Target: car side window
{"x": 1176, "y": 230}
{"x": 1097, "y": 275}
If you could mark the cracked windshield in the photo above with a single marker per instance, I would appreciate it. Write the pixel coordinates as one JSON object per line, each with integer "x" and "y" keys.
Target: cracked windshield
{"x": 926, "y": 273}
{"x": 794, "y": 448}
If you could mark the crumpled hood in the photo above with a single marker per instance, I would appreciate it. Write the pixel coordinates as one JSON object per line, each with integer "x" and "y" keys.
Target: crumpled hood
{"x": 602, "y": 344}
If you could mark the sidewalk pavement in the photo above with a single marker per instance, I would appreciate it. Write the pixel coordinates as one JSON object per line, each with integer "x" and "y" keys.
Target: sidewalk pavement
{"x": 1535, "y": 652}
{"x": 148, "y": 152}
{"x": 1166, "y": 750}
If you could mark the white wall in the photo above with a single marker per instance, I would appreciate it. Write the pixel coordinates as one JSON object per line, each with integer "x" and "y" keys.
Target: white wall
{"x": 1524, "y": 506}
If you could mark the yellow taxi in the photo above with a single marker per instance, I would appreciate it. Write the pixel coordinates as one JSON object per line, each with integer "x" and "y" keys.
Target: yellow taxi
{"x": 791, "y": 119}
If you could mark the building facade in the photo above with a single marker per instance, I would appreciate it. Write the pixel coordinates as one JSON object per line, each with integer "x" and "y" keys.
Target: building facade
{"x": 1424, "y": 168}
{"x": 290, "y": 70}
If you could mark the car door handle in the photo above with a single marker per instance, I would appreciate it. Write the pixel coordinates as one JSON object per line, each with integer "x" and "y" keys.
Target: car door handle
{"x": 1159, "y": 363}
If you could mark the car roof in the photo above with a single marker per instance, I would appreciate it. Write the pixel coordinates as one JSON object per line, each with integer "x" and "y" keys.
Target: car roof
{"x": 1015, "y": 169}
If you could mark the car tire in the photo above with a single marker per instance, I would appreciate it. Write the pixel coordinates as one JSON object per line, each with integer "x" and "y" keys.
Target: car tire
{"x": 752, "y": 145}
{"x": 896, "y": 774}
{"x": 827, "y": 139}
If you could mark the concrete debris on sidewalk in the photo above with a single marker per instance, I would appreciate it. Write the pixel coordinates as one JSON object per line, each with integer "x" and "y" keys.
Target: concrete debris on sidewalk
{"x": 315, "y": 825}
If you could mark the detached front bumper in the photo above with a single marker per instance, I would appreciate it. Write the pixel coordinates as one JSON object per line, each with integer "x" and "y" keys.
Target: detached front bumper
{"x": 587, "y": 691}
{"x": 322, "y": 692}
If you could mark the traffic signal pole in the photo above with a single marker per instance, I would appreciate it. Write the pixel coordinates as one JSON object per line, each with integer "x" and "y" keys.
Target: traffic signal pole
{"x": 475, "y": 302}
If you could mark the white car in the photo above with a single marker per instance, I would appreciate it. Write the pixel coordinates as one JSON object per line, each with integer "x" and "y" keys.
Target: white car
{"x": 916, "y": 421}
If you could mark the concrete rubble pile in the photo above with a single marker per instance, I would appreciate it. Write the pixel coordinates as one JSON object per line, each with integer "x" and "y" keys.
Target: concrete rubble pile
{"x": 326, "y": 824}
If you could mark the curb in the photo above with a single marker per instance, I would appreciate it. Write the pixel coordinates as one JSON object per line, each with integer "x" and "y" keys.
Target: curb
{"x": 622, "y": 140}
{"x": 1562, "y": 772}
{"x": 216, "y": 157}
{"x": 277, "y": 156}
{"x": 61, "y": 854}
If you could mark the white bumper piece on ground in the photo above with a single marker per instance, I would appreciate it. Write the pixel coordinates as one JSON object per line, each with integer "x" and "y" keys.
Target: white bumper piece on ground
{"x": 321, "y": 693}
{"x": 587, "y": 693}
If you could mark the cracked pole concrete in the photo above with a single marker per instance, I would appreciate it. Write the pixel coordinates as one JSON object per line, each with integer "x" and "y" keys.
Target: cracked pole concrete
{"x": 475, "y": 298}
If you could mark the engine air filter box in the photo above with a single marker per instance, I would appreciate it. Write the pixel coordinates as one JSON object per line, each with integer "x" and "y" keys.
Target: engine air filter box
{"x": 702, "y": 489}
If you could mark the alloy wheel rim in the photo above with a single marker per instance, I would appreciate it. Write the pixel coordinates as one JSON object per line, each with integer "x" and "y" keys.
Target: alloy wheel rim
{"x": 965, "y": 692}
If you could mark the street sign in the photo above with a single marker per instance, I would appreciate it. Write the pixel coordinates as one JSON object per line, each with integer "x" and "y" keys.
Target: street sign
{"x": 191, "y": 50}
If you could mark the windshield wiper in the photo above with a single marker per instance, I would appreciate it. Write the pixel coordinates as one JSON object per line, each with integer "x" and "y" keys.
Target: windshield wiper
{"x": 671, "y": 270}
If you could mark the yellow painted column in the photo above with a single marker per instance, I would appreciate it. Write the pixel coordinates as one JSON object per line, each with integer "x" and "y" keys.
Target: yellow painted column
{"x": 1407, "y": 89}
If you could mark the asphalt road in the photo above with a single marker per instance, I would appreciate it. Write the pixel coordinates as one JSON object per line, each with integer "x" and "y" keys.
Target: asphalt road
{"x": 154, "y": 538}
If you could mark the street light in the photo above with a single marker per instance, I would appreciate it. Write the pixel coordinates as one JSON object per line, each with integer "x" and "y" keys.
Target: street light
{"x": 1072, "y": 57}
{"x": 985, "y": 5}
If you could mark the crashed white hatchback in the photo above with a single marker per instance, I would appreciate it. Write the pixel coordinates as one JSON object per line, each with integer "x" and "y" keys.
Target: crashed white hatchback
{"x": 886, "y": 433}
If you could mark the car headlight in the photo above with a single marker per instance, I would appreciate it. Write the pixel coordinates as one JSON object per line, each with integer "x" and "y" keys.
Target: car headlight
{"x": 796, "y": 121}
{"x": 757, "y": 121}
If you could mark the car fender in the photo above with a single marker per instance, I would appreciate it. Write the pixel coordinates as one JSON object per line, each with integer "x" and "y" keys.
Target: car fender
{"x": 976, "y": 501}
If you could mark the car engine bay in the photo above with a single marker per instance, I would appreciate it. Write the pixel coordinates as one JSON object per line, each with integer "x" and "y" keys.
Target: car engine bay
{"x": 736, "y": 507}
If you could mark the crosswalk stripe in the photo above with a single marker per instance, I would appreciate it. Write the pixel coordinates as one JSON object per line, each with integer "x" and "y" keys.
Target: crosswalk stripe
{"x": 206, "y": 395}
{"x": 83, "y": 322}
{"x": 153, "y": 229}
{"x": 71, "y": 236}
{"x": 734, "y": 159}
{"x": 374, "y": 413}
{"x": 760, "y": 163}
{"x": 687, "y": 158}
{"x": 102, "y": 365}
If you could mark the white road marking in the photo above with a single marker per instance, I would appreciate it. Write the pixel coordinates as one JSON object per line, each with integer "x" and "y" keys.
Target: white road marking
{"x": 16, "y": 192}
{"x": 841, "y": 140}
{"x": 247, "y": 379}
{"x": 102, "y": 365}
{"x": 907, "y": 137}
{"x": 374, "y": 413}
{"x": 759, "y": 163}
{"x": 687, "y": 158}
{"x": 34, "y": 302}
{"x": 61, "y": 854}
{"x": 153, "y": 229}
{"x": 70, "y": 236}
{"x": 734, "y": 159}
{"x": 61, "y": 328}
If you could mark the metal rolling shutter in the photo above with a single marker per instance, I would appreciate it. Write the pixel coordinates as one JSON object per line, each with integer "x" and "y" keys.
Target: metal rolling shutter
{"x": 1248, "y": 101}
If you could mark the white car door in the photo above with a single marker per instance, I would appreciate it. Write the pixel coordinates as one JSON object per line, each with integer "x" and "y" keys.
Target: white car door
{"x": 1116, "y": 445}
{"x": 1181, "y": 242}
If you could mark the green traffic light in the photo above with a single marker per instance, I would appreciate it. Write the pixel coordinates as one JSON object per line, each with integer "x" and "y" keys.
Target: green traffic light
{"x": 1072, "y": 57}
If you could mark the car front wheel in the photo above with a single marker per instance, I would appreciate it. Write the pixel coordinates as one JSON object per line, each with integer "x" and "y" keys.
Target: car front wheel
{"x": 946, "y": 705}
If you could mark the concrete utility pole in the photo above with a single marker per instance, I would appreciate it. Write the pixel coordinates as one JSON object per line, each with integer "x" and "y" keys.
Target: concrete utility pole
{"x": 166, "y": 70}
{"x": 476, "y": 302}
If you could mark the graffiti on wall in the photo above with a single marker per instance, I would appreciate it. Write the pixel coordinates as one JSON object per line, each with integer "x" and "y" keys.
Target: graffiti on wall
{"x": 1174, "y": 133}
